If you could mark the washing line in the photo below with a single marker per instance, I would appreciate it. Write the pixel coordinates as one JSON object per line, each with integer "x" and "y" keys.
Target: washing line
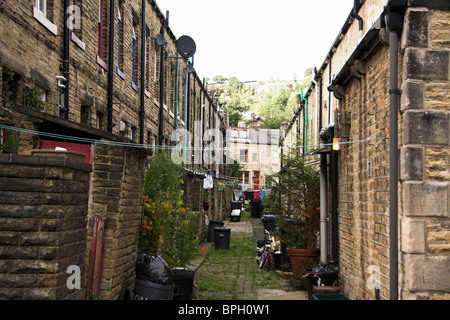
{"x": 177, "y": 147}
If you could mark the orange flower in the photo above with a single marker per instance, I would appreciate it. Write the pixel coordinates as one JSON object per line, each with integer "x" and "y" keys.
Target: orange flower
{"x": 203, "y": 250}
{"x": 182, "y": 209}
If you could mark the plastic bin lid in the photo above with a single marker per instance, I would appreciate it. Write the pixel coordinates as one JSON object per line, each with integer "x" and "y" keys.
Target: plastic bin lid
{"x": 222, "y": 228}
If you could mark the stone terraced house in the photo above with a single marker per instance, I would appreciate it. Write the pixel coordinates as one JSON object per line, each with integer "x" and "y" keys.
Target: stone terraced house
{"x": 113, "y": 84}
{"x": 386, "y": 174}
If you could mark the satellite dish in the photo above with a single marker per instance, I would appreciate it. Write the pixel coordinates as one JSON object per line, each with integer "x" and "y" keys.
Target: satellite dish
{"x": 190, "y": 67}
{"x": 160, "y": 40}
{"x": 186, "y": 46}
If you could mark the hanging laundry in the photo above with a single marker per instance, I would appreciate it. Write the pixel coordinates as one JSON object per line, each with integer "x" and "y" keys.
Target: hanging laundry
{"x": 256, "y": 194}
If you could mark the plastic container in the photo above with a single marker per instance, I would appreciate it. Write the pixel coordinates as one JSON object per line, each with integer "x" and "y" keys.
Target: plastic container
{"x": 235, "y": 215}
{"x": 329, "y": 296}
{"x": 256, "y": 208}
{"x": 222, "y": 238}
{"x": 184, "y": 284}
{"x": 236, "y": 205}
{"x": 212, "y": 225}
{"x": 146, "y": 290}
{"x": 270, "y": 222}
{"x": 277, "y": 260}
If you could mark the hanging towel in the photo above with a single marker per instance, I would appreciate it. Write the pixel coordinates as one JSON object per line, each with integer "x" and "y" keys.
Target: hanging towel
{"x": 261, "y": 194}
{"x": 256, "y": 195}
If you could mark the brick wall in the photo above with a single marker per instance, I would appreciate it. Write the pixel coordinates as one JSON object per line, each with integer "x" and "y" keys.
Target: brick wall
{"x": 43, "y": 211}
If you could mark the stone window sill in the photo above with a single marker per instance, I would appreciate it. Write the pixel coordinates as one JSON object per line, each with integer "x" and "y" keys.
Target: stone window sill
{"x": 78, "y": 41}
{"x": 42, "y": 19}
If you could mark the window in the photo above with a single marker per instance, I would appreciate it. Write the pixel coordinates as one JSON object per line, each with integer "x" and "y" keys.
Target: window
{"x": 76, "y": 35}
{"x": 99, "y": 120}
{"x": 243, "y": 134}
{"x": 147, "y": 63}
{"x": 243, "y": 155}
{"x": 133, "y": 133}
{"x": 36, "y": 99}
{"x": 135, "y": 54}
{"x": 120, "y": 35}
{"x": 42, "y": 6}
{"x": 43, "y": 12}
{"x": 246, "y": 177}
{"x": 85, "y": 115}
{"x": 102, "y": 28}
{"x": 275, "y": 157}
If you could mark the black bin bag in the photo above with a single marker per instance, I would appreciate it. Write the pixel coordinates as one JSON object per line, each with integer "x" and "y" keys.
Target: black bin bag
{"x": 153, "y": 268}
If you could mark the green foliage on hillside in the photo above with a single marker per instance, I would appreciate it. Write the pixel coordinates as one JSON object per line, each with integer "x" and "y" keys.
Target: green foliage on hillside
{"x": 273, "y": 101}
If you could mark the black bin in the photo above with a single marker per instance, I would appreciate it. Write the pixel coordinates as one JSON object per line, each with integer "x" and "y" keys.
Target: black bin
{"x": 256, "y": 208}
{"x": 270, "y": 222}
{"x": 222, "y": 238}
{"x": 236, "y": 205}
{"x": 183, "y": 280}
{"x": 212, "y": 225}
{"x": 147, "y": 290}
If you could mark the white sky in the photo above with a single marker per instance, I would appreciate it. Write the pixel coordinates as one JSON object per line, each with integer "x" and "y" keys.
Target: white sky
{"x": 257, "y": 39}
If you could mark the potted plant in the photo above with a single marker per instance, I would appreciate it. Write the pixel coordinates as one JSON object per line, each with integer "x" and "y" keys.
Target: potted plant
{"x": 295, "y": 200}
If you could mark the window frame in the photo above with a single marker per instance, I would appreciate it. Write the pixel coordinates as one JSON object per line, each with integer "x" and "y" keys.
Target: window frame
{"x": 120, "y": 38}
{"x": 100, "y": 22}
{"x": 42, "y": 16}
{"x": 73, "y": 34}
{"x": 135, "y": 55}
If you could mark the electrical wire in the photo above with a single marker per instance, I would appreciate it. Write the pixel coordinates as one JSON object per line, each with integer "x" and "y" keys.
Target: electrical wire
{"x": 176, "y": 147}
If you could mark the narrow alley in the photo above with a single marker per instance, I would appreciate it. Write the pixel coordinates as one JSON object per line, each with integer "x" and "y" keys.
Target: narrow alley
{"x": 234, "y": 274}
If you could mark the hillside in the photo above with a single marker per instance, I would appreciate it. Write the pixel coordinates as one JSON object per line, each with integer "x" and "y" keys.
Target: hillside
{"x": 273, "y": 101}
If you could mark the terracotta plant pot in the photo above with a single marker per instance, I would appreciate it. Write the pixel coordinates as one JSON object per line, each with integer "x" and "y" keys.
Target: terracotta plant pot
{"x": 303, "y": 259}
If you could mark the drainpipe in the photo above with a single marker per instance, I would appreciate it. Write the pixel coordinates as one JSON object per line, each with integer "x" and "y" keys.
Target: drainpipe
{"x": 203, "y": 118}
{"x": 176, "y": 93}
{"x": 161, "y": 86}
{"x": 334, "y": 199}
{"x": 394, "y": 22}
{"x": 358, "y": 17}
{"x": 323, "y": 208}
{"x": 306, "y": 121}
{"x": 316, "y": 130}
{"x": 186, "y": 114}
{"x": 320, "y": 102}
{"x": 143, "y": 57}
{"x": 66, "y": 60}
{"x": 110, "y": 61}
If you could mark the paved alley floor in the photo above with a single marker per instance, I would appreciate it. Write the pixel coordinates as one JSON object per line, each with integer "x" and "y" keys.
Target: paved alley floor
{"x": 234, "y": 274}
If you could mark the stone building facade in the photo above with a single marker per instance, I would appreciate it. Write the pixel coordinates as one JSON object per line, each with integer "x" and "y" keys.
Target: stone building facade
{"x": 96, "y": 88}
{"x": 353, "y": 92}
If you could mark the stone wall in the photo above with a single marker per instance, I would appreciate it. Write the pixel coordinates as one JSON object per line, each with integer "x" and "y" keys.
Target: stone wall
{"x": 117, "y": 189}
{"x": 43, "y": 212}
{"x": 424, "y": 156}
{"x": 363, "y": 171}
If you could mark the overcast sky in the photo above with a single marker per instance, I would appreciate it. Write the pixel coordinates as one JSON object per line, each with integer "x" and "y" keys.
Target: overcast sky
{"x": 257, "y": 39}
